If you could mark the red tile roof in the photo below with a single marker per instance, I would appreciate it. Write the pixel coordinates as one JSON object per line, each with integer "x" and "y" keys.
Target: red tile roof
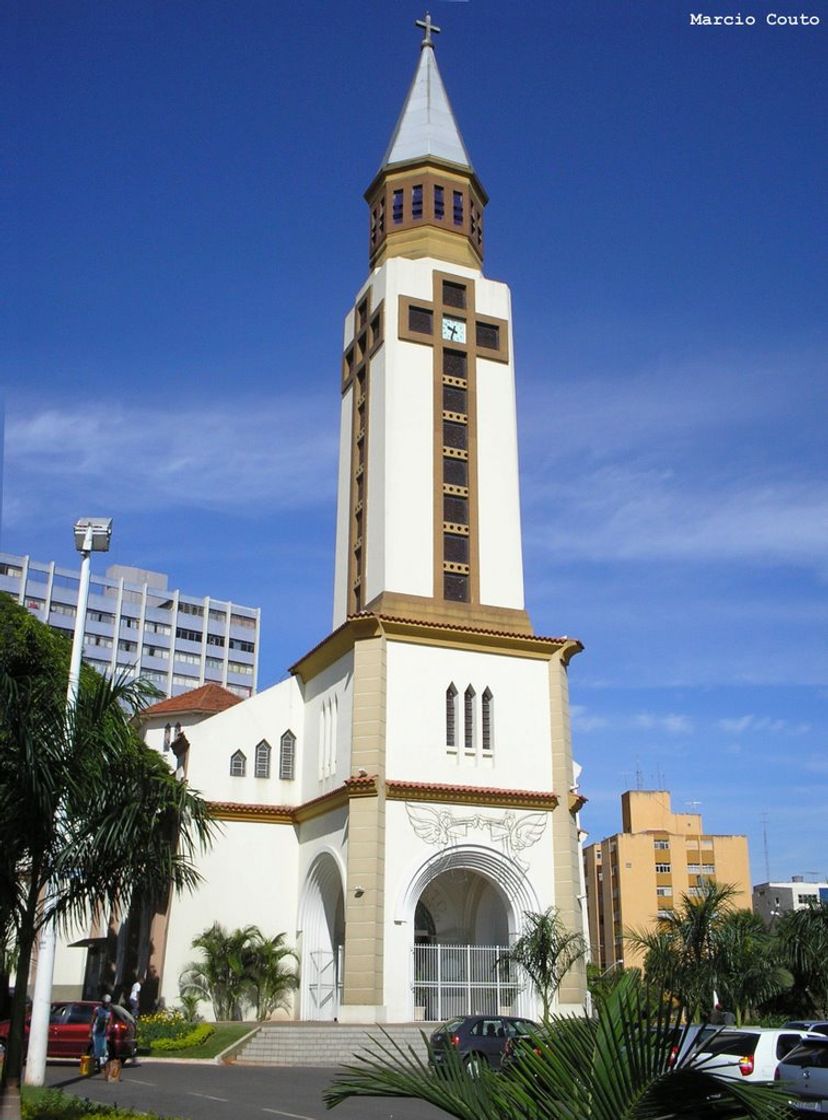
{"x": 210, "y": 698}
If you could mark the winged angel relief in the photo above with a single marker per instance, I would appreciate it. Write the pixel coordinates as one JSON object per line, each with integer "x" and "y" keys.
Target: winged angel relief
{"x": 512, "y": 833}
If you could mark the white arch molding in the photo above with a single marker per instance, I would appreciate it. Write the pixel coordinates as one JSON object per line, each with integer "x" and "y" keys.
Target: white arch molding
{"x": 510, "y": 882}
{"x": 321, "y": 924}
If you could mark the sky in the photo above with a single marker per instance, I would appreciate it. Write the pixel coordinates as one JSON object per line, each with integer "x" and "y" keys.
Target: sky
{"x": 188, "y": 232}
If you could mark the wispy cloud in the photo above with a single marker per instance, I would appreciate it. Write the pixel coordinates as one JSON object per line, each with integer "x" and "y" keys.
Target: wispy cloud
{"x": 743, "y": 724}
{"x": 264, "y": 454}
{"x": 671, "y": 724}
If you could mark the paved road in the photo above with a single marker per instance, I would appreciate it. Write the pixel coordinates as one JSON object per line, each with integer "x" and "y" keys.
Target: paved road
{"x": 211, "y": 1092}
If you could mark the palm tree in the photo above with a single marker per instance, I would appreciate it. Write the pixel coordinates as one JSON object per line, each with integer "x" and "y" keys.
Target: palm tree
{"x": 802, "y": 939}
{"x": 546, "y": 951}
{"x": 681, "y": 952}
{"x": 85, "y": 807}
{"x": 271, "y": 980}
{"x": 224, "y": 975}
{"x": 615, "y": 1066}
{"x": 748, "y": 973}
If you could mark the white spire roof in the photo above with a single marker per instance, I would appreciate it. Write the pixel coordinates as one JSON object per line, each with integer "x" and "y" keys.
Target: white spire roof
{"x": 426, "y": 126}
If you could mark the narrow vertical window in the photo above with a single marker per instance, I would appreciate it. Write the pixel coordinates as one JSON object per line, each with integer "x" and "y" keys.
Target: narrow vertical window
{"x": 487, "y": 721}
{"x": 287, "y": 757}
{"x": 451, "y": 716}
{"x": 468, "y": 713}
{"x": 238, "y": 765}
{"x": 397, "y": 207}
{"x": 167, "y": 737}
{"x": 177, "y": 730}
{"x": 439, "y": 203}
{"x": 262, "y": 769}
{"x": 458, "y": 207}
{"x": 417, "y": 201}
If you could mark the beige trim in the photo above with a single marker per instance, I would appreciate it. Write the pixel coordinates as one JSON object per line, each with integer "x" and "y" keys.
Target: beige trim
{"x": 468, "y": 795}
{"x": 462, "y": 634}
{"x": 365, "y": 884}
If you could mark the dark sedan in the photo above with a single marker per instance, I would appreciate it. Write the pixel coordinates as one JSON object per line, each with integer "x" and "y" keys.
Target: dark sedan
{"x": 479, "y": 1040}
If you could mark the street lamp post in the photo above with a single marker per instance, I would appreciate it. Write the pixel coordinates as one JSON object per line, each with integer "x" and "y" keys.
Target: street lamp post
{"x": 92, "y": 534}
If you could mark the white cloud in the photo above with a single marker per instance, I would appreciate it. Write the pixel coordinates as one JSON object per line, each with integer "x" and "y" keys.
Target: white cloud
{"x": 260, "y": 454}
{"x": 583, "y": 720}
{"x": 672, "y": 724}
{"x": 764, "y": 724}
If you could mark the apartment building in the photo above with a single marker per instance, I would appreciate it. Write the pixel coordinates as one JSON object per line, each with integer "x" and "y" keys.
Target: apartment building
{"x": 135, "y": 623}
{"x": 641, "y": 873}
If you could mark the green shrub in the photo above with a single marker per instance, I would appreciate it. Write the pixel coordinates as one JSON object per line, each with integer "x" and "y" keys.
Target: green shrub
{"x": 196, "y": 1037}
{"x": 50, "y": 1104}
{"x": 161, "y": 1024}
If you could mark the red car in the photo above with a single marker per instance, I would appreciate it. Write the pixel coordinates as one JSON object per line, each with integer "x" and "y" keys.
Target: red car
{"x": 70, "y": 1030}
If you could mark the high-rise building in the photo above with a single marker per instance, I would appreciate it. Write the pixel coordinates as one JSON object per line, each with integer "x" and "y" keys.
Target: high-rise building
{"x": 136, "y": 624}
{"x": 641, "y": 873}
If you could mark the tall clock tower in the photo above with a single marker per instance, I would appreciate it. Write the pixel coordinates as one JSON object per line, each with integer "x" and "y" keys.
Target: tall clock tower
{"x": 428, "y": 514}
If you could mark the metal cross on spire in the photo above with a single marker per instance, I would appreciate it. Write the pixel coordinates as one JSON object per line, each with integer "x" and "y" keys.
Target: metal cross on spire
{"x": 429, "y": 28}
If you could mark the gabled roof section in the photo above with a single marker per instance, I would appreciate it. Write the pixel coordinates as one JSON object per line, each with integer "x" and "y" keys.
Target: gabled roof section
{"x": 210, "y": 698}
{"x": 426, "y": 126}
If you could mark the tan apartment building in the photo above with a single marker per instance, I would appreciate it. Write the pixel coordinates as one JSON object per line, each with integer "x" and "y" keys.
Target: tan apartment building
{"x": 641, "y": 873}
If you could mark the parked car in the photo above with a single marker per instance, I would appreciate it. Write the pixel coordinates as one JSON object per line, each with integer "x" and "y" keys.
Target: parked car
{"x": 478, "y": 1039}
{"x": 70, "y": 1030}
{"x": 805, "y": 1072}
{"x": 749, "y": 1053}
{"x": 815, "y": 1026}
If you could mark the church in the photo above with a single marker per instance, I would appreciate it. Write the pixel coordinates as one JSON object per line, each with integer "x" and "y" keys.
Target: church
{"x": 402, "y": 800}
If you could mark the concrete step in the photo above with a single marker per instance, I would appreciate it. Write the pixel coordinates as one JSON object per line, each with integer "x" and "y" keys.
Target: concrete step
{"x": 325, "y": 1044}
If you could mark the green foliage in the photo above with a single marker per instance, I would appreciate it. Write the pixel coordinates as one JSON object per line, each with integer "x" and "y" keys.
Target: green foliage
{"x": 546, "y": 952}
{"x": 161, "y": 1025}
{"x": 196, "y": 1037}
{"x": 84, "y": 805}
{"x": 613, "y": 1067}
{"x": 239, "y": 967}
{"x": 802, "y": 939}
{"x": 51, "y": 1104}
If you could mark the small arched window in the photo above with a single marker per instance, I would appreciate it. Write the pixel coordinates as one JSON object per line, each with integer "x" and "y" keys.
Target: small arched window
{"x": 262, "y": 769}
{"x": 287, "y": 757}
{"x": 487, "y": 721}
{"x": 167, "y": 737}
{"x": 238, "y": 764}
{"x": 451, "y": 716}
{"x": 468, "y": 714}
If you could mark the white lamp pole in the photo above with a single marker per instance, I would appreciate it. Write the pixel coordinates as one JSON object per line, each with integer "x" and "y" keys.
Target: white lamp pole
{"x": 92, "y": 534}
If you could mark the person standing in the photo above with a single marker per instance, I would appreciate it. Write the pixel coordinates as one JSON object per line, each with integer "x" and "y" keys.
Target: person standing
{"x": 100, "y": 1031}
{"x": 135, "y": 997}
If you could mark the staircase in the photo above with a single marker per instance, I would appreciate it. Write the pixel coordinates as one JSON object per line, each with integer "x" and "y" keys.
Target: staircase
{"x": 323, "y": 1044}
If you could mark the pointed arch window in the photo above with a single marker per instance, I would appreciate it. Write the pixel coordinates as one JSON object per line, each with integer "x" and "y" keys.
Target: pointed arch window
{"x": 451, "y": 717}
{"x": 487, "y": 721}
{"x": 238, "y": 764}
{"x": 167, "y": 737}
{"x": 262, "y": 768}
{"x": 468, "y": 719}
{"x": 287, "y": 757}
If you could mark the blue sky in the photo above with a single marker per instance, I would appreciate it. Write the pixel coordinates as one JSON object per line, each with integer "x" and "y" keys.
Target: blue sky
{"x": 186, "y": 194}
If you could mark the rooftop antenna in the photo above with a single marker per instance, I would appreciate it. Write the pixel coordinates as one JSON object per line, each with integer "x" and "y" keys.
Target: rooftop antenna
{"x": 764, "y": 819}
{"x": 639, "y": 777}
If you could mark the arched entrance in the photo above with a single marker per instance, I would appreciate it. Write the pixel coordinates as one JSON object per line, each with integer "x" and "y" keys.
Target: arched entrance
{"x": 322, "y": 921}
{"x": 466, "y": 907}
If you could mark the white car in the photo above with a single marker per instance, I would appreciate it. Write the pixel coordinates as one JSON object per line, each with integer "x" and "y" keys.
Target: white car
{"x": 749, "y": 1053}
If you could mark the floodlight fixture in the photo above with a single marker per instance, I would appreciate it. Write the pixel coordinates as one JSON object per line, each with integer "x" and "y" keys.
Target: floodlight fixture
{"x": 92, "y": 534}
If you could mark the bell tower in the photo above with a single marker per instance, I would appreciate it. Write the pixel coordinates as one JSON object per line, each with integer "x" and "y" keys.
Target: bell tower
{"x": 428, "y": 522}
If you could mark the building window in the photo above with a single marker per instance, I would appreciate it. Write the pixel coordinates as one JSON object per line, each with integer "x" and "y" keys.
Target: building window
{"x": 167, "y": 737}
{"x": 420, "y": 320}
{"x": 455, "y": 399}
{"x": 439, "y": 202}
{"x": 661, "y": 845}
{"x": 708, "y": 869}
{"x": 454, "y": 295}
{"x": 468, "y": 716}
{"x": 487, "y": 721}
{"x": 397, "y": 207}
{"x": 455, "y": 548}
{"x": 488, "y": 336}
{"x": 455, "y": 510}
{"x": 457, "y": 203}
{"x": 663, "y": 868}
{"x": 455, "y": 435}
{"x": 451, "y": 716}
{"x": 666, "y": 892}
{"x": 417, "y": 201}
{"x": 454, "y": 363}
{"x": 262, "y": 765}
{"x": 455, "y": 587}
{"x": 455, "y": 472}
{"x": 287, "y": 757}
{"x": 238, "y": 765}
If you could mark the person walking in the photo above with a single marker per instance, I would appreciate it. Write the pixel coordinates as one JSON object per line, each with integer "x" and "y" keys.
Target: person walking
{"x": 100, "y": 1031}
{"x": 135, "y": 997}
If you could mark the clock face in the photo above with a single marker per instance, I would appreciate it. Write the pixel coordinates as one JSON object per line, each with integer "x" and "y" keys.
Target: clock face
{"x": 454, "y": 330}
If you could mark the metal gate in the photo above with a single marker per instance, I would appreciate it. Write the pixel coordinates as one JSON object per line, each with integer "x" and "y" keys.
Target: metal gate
{"x": 325, "y": 983}
{"x": 451, "y": 980}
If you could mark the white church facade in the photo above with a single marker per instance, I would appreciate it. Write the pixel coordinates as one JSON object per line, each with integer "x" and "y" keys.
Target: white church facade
{"x": 401, "y": 801}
